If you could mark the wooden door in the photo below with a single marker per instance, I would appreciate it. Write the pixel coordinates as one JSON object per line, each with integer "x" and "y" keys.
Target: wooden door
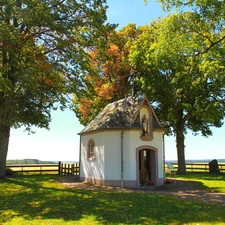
{"x": 144, "y": 166}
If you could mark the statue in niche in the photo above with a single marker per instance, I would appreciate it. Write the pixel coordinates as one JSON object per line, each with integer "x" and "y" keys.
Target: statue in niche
{"x": 145, "y": 126}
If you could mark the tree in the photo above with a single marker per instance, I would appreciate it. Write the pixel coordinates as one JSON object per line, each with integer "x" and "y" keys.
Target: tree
{"x": 43, "y": 49}
{"x": 183, "y": 74}
{"x": 211, "y": 11}
{"x": 113, "y": 78}
{"x": 208, "y": 9}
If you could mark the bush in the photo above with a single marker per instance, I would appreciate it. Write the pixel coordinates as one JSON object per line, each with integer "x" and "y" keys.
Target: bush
{"x": 8, "y": 172}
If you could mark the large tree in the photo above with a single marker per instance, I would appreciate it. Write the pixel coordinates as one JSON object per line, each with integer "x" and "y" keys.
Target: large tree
{"x": 43, "y": 49}
{"x": 183, "y": 73}
{"x": 113, "y": 76}
{"x": 176, "y": 63}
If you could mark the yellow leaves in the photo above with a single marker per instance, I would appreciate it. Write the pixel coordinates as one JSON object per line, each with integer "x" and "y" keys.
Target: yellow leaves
{"x": 106, "y": 91}
{"x": 85, "y": 108}
{"x": 153, "y": 46}
{"x": 113, "y": 50}
{"x": 210, "y": 68}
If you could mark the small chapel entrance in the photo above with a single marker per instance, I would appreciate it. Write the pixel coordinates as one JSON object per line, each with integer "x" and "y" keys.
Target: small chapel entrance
{"x": 146, "y": 166}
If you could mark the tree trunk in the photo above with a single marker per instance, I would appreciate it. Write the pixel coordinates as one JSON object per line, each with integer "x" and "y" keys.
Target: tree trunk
{"x": 4, "y": 142}
{"x": 5, "y": 118}
{"x": 180, "y": 144}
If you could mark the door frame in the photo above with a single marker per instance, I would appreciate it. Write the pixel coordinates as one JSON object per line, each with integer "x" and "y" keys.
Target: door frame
{"x": 145, "y": 166}
{"x": 154, "y": 163}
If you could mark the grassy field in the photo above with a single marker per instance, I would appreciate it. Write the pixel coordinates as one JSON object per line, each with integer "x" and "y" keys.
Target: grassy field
{"x": 41, "y": 200}
{"x": 209, "y": 182}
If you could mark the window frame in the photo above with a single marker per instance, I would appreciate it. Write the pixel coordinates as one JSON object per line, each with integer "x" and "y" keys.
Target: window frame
{"x": 91, "y": 154}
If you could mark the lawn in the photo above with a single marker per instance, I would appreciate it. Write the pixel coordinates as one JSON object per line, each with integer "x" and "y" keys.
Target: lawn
{"x": 206, "y": 181}
{"x": 41, "y": 200}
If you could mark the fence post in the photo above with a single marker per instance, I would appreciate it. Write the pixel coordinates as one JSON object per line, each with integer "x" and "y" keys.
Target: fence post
{"x": 68, "y": 170}
{"x": 72, "y": 172}
{"x": 77, "y": 169}
{"x": 63, "y": 166}
{"x": 59, "y": 168}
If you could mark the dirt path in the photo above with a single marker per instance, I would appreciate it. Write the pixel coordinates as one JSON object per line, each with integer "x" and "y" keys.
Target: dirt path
{"x": 183, "y": 189}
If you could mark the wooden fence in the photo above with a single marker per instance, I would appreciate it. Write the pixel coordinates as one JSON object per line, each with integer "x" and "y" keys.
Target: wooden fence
{"x": 68, "y": 169}
{"x": 73, "y": 168}
{"x": 199, "y": 167}
{"x": 60, "y": 168}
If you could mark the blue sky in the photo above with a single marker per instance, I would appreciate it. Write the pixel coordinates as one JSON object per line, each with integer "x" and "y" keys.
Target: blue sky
{"x": 61, "y": 143}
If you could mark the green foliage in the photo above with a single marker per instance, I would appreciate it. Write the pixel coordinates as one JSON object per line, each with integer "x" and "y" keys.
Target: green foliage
{"x": 43, "y": 52}
{"x": 40, "y": 199}
{"x": 177, "y": 62}
{"x": 180, "y": 73}
{"x": 182, "y": 62}
{"x": 209, "y": 9}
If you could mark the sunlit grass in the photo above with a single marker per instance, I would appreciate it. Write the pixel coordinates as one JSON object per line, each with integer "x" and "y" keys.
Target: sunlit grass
{"x": 209, "y": 182}
{"x": 42, "y": 200}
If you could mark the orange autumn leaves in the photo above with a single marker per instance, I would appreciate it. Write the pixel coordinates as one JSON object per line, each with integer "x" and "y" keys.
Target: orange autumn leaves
{"x": 111, "y": 80}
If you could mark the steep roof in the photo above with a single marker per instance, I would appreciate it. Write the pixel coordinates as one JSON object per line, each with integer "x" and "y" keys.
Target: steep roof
{"x": 121, "y": 114}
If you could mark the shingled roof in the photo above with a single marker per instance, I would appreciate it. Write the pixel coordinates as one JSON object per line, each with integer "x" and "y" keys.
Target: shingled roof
{"x": 120, "y": 114}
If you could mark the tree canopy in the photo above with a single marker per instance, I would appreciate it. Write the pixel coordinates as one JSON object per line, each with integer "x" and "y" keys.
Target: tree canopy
{"x": 43, "y": 50}
{"x": 113, "y": 76}
{"x": 172, "y": 61}
{"x": 183, "y": 73}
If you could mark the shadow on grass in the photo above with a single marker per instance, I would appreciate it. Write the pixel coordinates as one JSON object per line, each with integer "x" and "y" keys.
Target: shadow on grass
{"x": 213, "y": 181}
{"x": 206, "y": 176}
{"x": 42, "y": 198}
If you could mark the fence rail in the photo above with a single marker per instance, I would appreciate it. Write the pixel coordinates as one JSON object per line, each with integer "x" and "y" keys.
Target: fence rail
{"x": 73, "y": 168}
{"x": 199, "y": 167}
{"x": 60, "y": 168}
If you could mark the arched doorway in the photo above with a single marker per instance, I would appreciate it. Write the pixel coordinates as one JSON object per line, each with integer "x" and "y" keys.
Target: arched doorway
{"x": 146, "y": 163}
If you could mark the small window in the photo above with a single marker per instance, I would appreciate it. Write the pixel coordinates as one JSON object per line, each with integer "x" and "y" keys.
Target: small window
{"x": 91, "y": 150}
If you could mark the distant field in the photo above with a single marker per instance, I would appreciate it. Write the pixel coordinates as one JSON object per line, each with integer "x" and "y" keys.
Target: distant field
{"x": 198, "y": 161}
{"x": 27, "y": 161}
{"x": 34, "y": 168}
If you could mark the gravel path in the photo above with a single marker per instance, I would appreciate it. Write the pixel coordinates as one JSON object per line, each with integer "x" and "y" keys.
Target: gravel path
{"x": 183, "y": 189}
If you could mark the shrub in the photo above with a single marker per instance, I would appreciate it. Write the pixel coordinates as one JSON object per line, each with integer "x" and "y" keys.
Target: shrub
{"x": 8, "y": 172}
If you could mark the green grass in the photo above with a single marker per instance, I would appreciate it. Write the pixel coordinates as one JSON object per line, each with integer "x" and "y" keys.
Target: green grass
{"x": 209, "y": 182}
{"x": 40, "y": 200}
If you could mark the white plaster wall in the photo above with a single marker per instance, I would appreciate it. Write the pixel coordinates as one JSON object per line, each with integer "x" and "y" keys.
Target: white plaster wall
{"x": 93, "y": 169}
{"x": 131, "y": 141}
{"x": 107, "y": 165}
{"x": 158, "y": 138}
{"x": 135, "y": 142}
{"x": 129, "y": 157}
{"x": 112, "y": 155}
